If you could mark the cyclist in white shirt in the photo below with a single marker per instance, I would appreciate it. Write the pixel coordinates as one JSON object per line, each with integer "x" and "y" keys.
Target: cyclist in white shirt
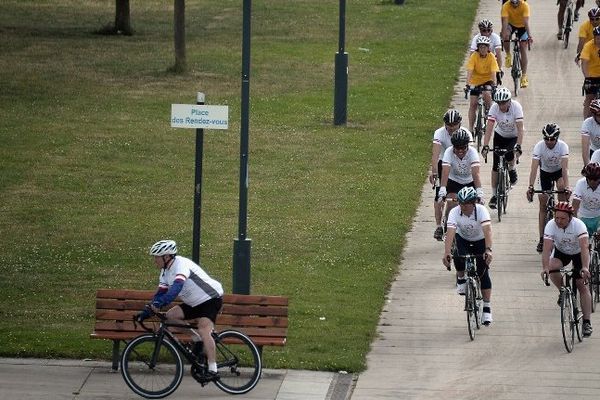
{"x": 470, "y": 224}
{"x": 486, "y": 28}
{"x": 505, "y": 119}
{"x": 590, "y": 132}
{"x": 551, "y": 157}
{"x": 565, "y": 241}
{"x": 201, "y": 296}
{"x": 460, "y": 168}
{"x": 441, "y": 141}
{"x": 586, "y": 197}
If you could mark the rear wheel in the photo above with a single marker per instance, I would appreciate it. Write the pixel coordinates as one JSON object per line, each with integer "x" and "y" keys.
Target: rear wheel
{"x": 566, "y": 319}
{"x": 238, "y": 362}
{"x": 516, "y": 71}
{"x": 568, "y": 26}
{"x": 500, "y": 193}
{"x": 595, "y": 279}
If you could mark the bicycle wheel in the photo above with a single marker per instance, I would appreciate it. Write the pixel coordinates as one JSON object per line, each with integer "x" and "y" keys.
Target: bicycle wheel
{"x": 566, "y": 319}
{"x": 238, "y": 362}
{"x": 595, "y": 279}
{"x": 516, "y": 71}
{"x": 478, "y": 302}
{"x": 470, "y": 309}
{"x": 147, "y": 379}
{"x": 500, "y": 193}
{"x": 577, "y": 316}
{"x": 568, "y": 26}
{"x": 479, "y": 126}
{"x": 507, "y": 187}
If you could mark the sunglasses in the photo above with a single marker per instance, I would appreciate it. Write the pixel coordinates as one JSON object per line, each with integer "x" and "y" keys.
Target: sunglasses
{"x": 461, "y": 148}
{"x": 550, "y": 139}
{"x": 595, "y": 19}
{"x": 485, "y": 30}
{"x": 453, "y": 125}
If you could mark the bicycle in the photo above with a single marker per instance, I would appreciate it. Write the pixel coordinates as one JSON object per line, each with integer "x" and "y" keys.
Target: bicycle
{"x": 567, "y": 25}
{"x": 473, "y": 296}
{"x": 503, "y": 184}
{"x": 594, "y": 282}
{"x": 571, "y": 317}
{"x": 152, "y": 364}
{"x": 480, "y": 119}
{"x": 515, "y": 70}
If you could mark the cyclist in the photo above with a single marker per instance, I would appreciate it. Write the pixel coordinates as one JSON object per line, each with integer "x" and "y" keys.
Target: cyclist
{"x": 590, "y": 132}
{"x": 551, "y": 156}
{"x": 586, "y": 30}
{"x": 471, "y": 226}
{"x": 515, "y": 18}
{"x": 565, "y": 241}
{"x": 201, "y": 296}
{"x": 505, "y": 119}
{"x": 441, "y": 141}
{"x": 460, "y": 168}
{"x": 481, "y": 76}
{"x": 586, "y": 197}
{"x": 486, "y": 28}
{"x": 590, "y": 67}
{"x": 562, "y": 6}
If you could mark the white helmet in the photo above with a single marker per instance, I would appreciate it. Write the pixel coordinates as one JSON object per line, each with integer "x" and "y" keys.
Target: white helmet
{"x": 163, "y": 248}
{"x": 483, "y": 40}
{"x": 502, "y": 94}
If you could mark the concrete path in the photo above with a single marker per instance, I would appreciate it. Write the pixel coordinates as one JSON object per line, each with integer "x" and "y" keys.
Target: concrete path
{"x": 423, "y": 350}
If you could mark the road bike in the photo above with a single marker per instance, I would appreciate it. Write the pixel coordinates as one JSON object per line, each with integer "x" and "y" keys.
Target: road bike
{"x": 571, "y": 317}
{"x": 503, "y": 184}
{"x": 594, "y": 282}
{"x": 480, "y": 120}
{"x": 567, "y": 25}
{"x": 515, "y": 70}
{"x": 152, "y": 364}
{"x": 473, "y": 296}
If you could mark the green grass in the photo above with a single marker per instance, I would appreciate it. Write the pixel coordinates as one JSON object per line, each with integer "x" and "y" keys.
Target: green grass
{"x": 91, "y": 174}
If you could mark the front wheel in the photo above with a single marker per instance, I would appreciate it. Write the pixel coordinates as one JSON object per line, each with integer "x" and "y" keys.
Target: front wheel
{"x": 470, "y": 308}
{"x": 500, "y": 193}
{"x": 566, "y": 319}
{"x": 595, "y": 279}
{"x": 568, "y": 26}
{"x": 151, "y": 368}
{"x": 238, "y": 362}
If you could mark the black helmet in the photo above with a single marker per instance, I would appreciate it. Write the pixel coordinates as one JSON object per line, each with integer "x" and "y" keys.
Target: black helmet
{"x": 460, "y": 138}
{"x": 452, "y": 117}
{"x": 551, "y": 131}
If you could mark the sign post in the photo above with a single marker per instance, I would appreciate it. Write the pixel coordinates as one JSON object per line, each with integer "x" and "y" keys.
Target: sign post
{"x": 198, "y": 117}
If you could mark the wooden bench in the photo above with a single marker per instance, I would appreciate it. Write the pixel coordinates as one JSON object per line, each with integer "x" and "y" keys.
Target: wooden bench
{"x": 263, "y": 318}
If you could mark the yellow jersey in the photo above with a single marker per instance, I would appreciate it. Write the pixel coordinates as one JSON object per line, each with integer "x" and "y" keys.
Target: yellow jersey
{"x": 590, "y": 53}
{"x": 515, "y": 15}
{"x": 483, "y": 68}
{"x": 585, "y": 30}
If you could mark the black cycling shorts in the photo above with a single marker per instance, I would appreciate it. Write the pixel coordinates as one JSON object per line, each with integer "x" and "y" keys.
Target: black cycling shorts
{"x": 209, "y": 309}
{"x": 547, "y": 179}
{"x": 565, "y": 259}
{"x": 500, "y": 142}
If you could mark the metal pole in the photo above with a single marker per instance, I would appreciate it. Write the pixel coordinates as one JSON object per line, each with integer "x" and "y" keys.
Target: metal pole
{"x": 241, "y": 245}
{"x": 198, "y": 188}
{"x": 340, "y": 98}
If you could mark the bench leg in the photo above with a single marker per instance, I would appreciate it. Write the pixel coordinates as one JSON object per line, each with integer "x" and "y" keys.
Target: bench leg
{"x": 115, "y": 355}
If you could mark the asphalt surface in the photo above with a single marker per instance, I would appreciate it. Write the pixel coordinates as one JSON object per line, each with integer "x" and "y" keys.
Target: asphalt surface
{"x": 423, "y": 350}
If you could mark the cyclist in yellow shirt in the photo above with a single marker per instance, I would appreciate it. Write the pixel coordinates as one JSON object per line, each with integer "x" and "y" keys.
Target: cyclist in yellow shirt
{"x": 515, "y": 19}
{"x": 590, "y": 66}
{"x": 481, "y": 76}
{"x": 586, "y": 30}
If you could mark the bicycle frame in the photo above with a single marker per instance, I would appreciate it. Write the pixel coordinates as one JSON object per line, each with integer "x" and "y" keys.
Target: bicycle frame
{"x": 503, "y": 185}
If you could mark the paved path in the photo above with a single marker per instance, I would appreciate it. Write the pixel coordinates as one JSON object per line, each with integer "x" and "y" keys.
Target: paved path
{"x": 423, "y": 350}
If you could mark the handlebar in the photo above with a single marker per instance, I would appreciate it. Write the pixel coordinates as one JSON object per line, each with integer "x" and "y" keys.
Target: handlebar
{"x": 551, "y": 191}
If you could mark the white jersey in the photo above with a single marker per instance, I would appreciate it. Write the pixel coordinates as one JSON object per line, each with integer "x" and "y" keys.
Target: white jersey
{"x": 495, "y": 41}
{"x": 506, "y": 123}
{"x": 442, "y": 137}
{"x": 461, "y": 170}
{"x": 469, "y": 227}
{"x": 566, "y": 240}
{"x": 550, "y": 159}
{"x": 589, "y": 206}
{"x": 595, "y": 157}
{"x": 592, "y": 129}
{"x": 198, "y": 287}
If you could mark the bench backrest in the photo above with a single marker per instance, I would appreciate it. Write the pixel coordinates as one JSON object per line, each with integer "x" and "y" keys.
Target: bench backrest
{"x": 263, "y": 318}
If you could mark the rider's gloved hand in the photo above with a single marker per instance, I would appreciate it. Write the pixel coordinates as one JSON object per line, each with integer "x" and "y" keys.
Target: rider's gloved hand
{"x": 142, "y": 315}
{"x": 479, "y": 192}
{"x": 518, "y": 150}
{"x": 442, "y": 193}
{"x": 529, "y": 194}
{"x": 484, "y": 150}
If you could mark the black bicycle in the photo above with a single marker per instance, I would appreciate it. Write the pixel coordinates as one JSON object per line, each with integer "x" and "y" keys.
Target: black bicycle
{"x": 473, "y": 296}
{"x": 594, "y": 282}
{"x": 152, "y": 364}
{"x": 567, "y": 25}
{"x": 571, "y": 317}
{"x": 480, "y": 120}
{"x": 503, "y": 184}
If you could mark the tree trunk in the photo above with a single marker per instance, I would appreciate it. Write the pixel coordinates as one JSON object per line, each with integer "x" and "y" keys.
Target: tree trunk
{"x": 179, "y": 34}
{"x": 122, "y": 18}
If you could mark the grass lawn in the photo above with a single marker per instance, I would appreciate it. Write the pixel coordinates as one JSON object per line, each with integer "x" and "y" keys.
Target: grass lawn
{"x": 91, "y": 173}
